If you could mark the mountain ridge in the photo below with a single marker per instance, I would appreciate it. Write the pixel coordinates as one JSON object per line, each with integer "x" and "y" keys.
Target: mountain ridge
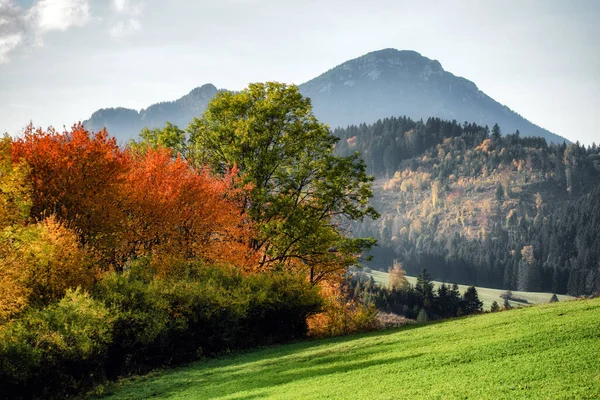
{"x": 365, "y": 89}
{"x": 403, "y": 82}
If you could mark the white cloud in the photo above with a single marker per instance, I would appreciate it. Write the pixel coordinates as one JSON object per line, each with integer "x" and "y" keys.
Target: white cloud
{"x": 12, "y": 29}
{"x": 119, "y": 5}
{"x": 128, "y": 24}
{"x": 122, "y": 29}
{"x": 128, "y": 7}
{"x": 7, "y": 45}
{"x": 49, "y": 15}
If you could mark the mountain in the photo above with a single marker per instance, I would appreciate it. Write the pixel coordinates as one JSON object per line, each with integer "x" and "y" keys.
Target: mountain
{"x": 124, "y": 123}
{"x": 377, "y": 85}
{"x": 394, "y": 83}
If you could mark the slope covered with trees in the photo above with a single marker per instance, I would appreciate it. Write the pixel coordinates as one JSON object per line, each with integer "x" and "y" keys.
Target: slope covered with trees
{"x": 482, "y": 208}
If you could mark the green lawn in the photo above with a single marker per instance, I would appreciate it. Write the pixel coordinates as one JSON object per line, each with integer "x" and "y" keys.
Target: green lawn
{"x": 543, "y": 352}
{"x": 486, "y": 295}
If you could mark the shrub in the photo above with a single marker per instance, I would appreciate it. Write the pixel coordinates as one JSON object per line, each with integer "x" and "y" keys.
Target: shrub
{"x": 341, "y": 316}
{"x": 214, "y": 309}
{"x": 495, "y": 306}
{"x": 38, "y": 263}
{"x": 136, "y": 322}
{"x": 57, "y": 350}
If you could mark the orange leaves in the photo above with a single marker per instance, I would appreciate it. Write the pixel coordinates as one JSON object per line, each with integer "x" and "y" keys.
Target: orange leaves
{"x": 177, "y": 210}
{"x": 76, "y": 176}
{"x": 126, "y": 204}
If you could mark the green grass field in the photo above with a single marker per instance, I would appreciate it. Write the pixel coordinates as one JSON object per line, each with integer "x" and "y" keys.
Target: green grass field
{"x": 486, "y": 295}
{"x": 542, "y": 352}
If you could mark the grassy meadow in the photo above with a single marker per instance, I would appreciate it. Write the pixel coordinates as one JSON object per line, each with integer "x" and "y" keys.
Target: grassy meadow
{"x": 542, "y": 352}
{"x": 486, "y": 295}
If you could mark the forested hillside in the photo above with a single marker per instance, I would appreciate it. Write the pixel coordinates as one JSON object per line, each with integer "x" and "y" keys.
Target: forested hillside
{"x": 478, "y": 207}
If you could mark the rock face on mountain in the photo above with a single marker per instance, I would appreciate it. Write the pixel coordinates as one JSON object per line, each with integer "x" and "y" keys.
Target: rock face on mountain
{"x": 377, "y": 85}
{"x": 125, "y": 123}
{"x": 390, "y": 82}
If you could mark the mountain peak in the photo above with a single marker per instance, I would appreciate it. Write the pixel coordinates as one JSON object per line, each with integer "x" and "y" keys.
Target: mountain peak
{"x": 202, "y": 91}
{"x": 381, "y": 65}
{"x": 379, "y": 84}
{"x": 391, "y": 82}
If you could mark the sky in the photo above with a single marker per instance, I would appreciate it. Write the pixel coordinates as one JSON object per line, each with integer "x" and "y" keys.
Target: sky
{"x": 61, "y": 60}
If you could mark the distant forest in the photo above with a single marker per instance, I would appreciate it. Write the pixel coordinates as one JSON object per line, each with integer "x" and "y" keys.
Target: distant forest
{"x": 477, "y": 207}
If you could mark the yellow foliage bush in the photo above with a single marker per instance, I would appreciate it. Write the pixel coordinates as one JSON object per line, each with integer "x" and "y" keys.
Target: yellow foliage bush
{"x": 38, "y": 263}
{"x": 341, "y": 316}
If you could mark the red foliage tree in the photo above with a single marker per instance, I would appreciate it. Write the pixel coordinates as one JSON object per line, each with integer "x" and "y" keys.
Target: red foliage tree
{"x": 174, "y": 210}
{"x": 76, "y": 176}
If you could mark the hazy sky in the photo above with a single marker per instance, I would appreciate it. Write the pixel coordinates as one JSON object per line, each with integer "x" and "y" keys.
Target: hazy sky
{"x": 60, "y": 60}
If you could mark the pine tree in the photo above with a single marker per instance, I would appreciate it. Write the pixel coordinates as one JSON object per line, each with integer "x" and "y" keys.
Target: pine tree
{"x": 424, "y": 287}
{"x": 471, "y": 303}
{"x": 496, "y": 133}
{"x": 495, "y": 306}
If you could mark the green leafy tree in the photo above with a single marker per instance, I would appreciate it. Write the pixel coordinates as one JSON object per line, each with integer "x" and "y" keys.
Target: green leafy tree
{"x": 301, "y": 195}
{"x": 170, "y": 137}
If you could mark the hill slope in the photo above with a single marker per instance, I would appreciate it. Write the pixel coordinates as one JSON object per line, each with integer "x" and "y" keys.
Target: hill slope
{"x": 377, "y": 85}
{"x": 537, "y": 352}
{"x": 390, "y": 82}
{"x": 507, "y": 212}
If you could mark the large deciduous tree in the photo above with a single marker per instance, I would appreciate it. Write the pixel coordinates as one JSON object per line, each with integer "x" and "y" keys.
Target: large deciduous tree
{"x": 176, "y": 211}
{"x": 302, "y": 195}
{"x": 76, "y": 176}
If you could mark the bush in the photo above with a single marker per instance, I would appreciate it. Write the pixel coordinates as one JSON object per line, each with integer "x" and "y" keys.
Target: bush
{"x": 51, "y": 352}
{"x": 341, "y": 316}
{"x": 213, "y": 310}
{"x": 135, "y": 323}
{"x": 38, "y": 263}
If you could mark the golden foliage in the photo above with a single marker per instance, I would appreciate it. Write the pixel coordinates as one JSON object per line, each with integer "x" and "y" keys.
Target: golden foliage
{"x": 397, "y": 276}
{"x": 39, "y": 263}
{"x": 340, "y": 316}
{"x": 15, "y": 189}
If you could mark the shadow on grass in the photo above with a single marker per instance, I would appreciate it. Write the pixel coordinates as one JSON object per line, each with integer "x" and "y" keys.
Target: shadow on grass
{"x": 224, "y": 384}
{"x": 258, "y": 370}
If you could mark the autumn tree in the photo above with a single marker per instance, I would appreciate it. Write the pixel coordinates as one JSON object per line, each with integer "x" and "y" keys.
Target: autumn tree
{"x": 397, "y": 276}
{"x": 175, "y": 211}
{"x": 302, "y": 194}
{"x": 38, "y": 263}
{"x": 15, "y": 188}
{"x": 76, "y": 176}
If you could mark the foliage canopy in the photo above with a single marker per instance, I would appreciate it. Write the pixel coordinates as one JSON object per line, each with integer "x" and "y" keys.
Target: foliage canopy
{"x": 302, "y": 195}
